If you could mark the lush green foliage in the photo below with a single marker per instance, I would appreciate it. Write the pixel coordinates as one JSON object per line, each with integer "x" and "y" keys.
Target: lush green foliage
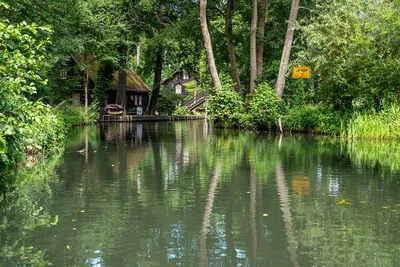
{"x": 181, "y": 111}
{"x": 23, "y": 122}
{"x": 265, "y": 108}
{"x": 319, "y": 119}
{"x": 383, "y": 125}
{"x": 73, "y": 115}
{"x": 169, "y": 102}
{"x": 226, "y": 107}
{"x": 26, "y": 124}
{"x": 353, "y": 50}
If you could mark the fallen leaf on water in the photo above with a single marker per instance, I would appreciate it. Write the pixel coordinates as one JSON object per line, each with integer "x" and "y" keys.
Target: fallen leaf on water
{"x": 395, "y": 210}
{"x": 363, "y": 202}
{"x": 74, "y": 220}
{"x": 385, "y": 207}
{"x": 343, "y": 201}
{"x": 265, "y": 214}
{"x": 397, "y": 205}
{"x": 74, "y": 229}
{"x": 82, "y": 211}
{"x": 248, "y": 192}
{"x": 25, "y": 258}
{"x": 112, "y": 165}
{"x": 68, "y": 247}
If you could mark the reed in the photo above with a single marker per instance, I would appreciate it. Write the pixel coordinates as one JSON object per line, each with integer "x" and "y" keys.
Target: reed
{"x": 383, "y": 125}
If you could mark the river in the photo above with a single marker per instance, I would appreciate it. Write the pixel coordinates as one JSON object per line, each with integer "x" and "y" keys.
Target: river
{"x": 186, "y": 194}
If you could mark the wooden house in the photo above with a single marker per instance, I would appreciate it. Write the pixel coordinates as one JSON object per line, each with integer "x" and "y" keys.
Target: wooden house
{"x": 176, "y": 82}
{"x": 137, "y": 92}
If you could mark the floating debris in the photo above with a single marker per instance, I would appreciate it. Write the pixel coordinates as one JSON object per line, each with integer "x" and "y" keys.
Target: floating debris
{"x": 343, "y": 202}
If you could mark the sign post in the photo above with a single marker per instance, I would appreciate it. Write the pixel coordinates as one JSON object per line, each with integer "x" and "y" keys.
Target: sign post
{"x": 301, "y": 72}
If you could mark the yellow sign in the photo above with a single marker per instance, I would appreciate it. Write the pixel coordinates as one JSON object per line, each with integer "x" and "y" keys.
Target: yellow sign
{"x": 301, "y": 72}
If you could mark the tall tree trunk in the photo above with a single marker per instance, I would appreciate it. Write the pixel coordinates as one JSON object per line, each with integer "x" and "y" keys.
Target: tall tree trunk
{"x": 138, "y": 51}
{"x": 121, "y": 93}
{"x": 261, "y": 33}
{"x": 253, "y": 47}
{"x": 208, "y": 46}
{"x": 280, "y": 83}
{"x": 86, "y": 89}
{"x": 121, "y": 88}
{"x": 231, "y": 47}
{"x": 151, "y": 107}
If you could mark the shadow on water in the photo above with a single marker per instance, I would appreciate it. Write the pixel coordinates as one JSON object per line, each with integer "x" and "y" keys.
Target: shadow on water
{"x": 182, "y": 193}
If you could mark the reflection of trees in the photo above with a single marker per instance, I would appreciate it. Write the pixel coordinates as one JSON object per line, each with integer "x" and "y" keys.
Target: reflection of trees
{"x": 286, "y": 213}
{"x": 207, "y": 215}
{"x": 25, "y": 211}
{"x": 179, "y": 195}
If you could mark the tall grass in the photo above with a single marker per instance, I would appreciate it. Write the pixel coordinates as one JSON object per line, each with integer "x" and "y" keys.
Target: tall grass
{"x": 383, "y": 125}
{"x": 74, "y": 115}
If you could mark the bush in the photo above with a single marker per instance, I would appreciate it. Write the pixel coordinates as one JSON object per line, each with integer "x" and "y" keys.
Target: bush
{"x": 168, "y": 102}
{"x": 181, "y": 111}
{"x": 313, "y": 119}
{"x": 265, "y": 108}
{"x": 74, "y": 115}
{"x": 226, "y": 107}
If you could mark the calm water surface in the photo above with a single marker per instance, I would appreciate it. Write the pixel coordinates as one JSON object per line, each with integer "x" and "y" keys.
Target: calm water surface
{"x": 185, "y": 194}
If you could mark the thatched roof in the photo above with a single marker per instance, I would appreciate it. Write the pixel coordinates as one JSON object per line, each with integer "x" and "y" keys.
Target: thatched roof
{"x": 133, "y": 82}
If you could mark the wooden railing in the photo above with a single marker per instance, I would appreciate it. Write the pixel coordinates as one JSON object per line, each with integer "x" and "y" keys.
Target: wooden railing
{"x": 196, "y": 101}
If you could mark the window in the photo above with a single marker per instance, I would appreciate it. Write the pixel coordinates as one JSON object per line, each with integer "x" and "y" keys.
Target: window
{"x": 178, "y": 89}
{"x": 136, "y": 100}
{"x": 63, "y": 74}
{"x": 140, "y": 100}
{"x": 76, "y": 98}
{"x": 185, "y": 75}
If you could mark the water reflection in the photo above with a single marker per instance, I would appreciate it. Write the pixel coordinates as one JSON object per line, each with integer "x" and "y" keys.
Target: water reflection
{"x": 167, "y": 194}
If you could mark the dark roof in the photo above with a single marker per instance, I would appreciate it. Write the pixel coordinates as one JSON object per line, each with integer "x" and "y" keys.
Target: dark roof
{"x": 133, "y": 82}
{"x": 171, "y": 77}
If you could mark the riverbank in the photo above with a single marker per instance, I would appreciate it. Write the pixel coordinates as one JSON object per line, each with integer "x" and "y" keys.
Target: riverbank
{"x": 133, "y": 118}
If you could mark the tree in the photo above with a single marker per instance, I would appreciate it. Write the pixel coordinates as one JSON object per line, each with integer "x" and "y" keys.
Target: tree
{"x": 208, "y": 45}
{"x": 261, "y": 33}
{"x": 354, "y": 58}
{"x": 253, "y": 46}
{"x": 151, "y": 108}
{"x": 24, "y": 122}
{"x": 280, "y": 83}
{"x": 231, "y": 47}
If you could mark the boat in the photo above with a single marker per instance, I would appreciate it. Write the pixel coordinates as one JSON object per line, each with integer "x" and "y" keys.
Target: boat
{"x": 113, "y": 112}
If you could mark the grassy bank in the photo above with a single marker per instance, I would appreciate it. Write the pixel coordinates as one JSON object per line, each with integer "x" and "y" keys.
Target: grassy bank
{"x": 41, "y": 135}
{"x": 263, "y": 110}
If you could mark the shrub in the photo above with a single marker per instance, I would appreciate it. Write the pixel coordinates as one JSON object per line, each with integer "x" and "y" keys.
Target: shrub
{"x": 168, "y": 102}
{"x": 181, "y": 111}
{"x": 226, "y": 107}
{"x": 313, "y": 119}
{"x": 73, "y": 115}
{"x": 265, "y": 108}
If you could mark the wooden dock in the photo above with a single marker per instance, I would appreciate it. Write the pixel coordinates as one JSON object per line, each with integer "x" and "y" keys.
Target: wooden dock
{"x": 134, "y": 118}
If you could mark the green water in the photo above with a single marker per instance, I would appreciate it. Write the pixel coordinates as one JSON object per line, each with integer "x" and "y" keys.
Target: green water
{"x": 185, "y": 194}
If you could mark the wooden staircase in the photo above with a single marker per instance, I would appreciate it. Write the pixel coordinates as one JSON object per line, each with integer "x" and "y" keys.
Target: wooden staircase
{"x": 196, "y": 101}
